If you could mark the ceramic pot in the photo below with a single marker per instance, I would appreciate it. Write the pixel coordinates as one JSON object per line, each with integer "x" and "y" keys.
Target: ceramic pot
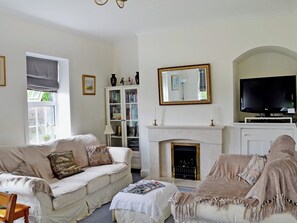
{"x": 113, "y": 80}
{"x": 137, "y": 78}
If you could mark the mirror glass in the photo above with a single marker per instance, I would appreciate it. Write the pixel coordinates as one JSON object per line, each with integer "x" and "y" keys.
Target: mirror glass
{"x": 184, "y": 85}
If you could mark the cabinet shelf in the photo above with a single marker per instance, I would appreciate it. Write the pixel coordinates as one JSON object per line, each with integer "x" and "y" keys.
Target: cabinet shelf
{"x": 116, "y": 137}
{"x": 133, "y": 137}
{"x": 114, "y": 103}
{"x": 131, "y": 103}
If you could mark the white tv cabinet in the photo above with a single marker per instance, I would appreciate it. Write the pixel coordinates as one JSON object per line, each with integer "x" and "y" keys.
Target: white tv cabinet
{"x": 256, "y": 138}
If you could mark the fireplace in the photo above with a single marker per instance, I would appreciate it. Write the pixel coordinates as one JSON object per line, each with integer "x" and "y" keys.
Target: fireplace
{"x": 185, "y": 159}
{"x": 161, "y": 137}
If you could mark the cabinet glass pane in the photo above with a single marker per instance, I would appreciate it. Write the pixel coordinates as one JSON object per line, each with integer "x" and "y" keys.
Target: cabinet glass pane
{"x": 132, "y": 129}
{"x": 115, "y": 96}
{"x": 116, "y": 141}
{"x": 117, "y": 128}
{"x": 131, "y": 112}
{"x": 131, "y": 96}
{"x": 133, "y": 143}
{"x": 115, "y": 112}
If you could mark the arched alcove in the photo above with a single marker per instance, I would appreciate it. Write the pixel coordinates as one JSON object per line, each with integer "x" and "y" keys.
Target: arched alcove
{"x": 261, "y": 62}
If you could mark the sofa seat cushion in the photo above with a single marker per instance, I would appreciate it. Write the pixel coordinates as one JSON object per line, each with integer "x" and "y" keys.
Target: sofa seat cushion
{"x": 119, "y": 172}
{"x": 101, "y": 175}
{"x": 66, "y": 193}
{"x": 93, "y": 178}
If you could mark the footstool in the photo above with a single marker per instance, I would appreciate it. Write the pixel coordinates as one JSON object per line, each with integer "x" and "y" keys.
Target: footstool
{"x": 152, "y": 207}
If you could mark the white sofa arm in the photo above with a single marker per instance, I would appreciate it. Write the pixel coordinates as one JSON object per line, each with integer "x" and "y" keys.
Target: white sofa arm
{"x": 121, "y": 154}
{"x": 23, "y": 184}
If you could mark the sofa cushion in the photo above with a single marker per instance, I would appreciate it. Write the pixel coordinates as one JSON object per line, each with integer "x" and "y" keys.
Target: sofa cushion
{"x": 77, "y": 144}
{"x": 97, "y": 183}
{"x": 119, "y": 172}
{"x": 63, "y": 164}
{"x": 67, "y": 192}
{"x": 35, "y": 156}
{"x": 99, "y": 176}
{"x": 12, "y": 159}
{"x": 98, "y": 155}
{"x": 253, "y": 170}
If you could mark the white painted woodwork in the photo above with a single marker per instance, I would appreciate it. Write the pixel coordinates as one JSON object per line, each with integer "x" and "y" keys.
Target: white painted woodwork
{"x": 160, "y": 138}
{"x": 256, "y": 138}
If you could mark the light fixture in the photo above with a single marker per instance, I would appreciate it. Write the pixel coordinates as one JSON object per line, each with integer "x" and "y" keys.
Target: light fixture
{"x": 120, "y": 3}
{"x": 108, "y": 131}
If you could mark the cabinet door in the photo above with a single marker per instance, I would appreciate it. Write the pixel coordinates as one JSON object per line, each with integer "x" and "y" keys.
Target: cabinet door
{"x": 258, "y": 141}
{"x": 115, "y": 112}
{"x": 131, "y": 118}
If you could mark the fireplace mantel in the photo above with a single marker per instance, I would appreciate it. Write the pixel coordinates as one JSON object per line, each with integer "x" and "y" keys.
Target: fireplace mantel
{"x": 209, "y": 137}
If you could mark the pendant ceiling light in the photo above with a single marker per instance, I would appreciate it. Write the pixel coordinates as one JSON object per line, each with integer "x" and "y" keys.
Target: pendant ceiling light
{"x": 120, "y": 3}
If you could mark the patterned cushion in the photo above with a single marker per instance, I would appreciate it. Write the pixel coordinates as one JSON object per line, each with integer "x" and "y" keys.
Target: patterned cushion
{"x": 98, "y": 155}
{"x": 253, "y": 170}
{"x": 63, "y": 164}
{"x": 23, "y": 170}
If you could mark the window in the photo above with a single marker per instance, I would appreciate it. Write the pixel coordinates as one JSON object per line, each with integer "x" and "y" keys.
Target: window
{"x": 42, "y": 88}
{"x": 41, "y": 116}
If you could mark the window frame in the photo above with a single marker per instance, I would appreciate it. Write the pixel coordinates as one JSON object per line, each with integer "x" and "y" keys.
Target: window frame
{"x": 42, "y": 104}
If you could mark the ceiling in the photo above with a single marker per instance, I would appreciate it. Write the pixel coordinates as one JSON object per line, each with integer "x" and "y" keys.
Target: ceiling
{"x": 138, "y": 16}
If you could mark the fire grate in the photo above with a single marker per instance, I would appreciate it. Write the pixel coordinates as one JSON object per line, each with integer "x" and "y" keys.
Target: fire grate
{"x": 185, "y": 161}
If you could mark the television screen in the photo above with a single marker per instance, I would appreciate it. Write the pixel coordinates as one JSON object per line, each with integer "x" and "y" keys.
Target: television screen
{"x": 268, "y": 94}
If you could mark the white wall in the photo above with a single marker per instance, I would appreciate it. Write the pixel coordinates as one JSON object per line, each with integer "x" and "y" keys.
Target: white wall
{"x": 85, "y": 56}
{"x": 125, "y": 60}
{"x": 218, "y": 43}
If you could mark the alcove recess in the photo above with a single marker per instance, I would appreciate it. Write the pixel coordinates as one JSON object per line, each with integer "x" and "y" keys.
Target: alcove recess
{"x": 261, "y": 62}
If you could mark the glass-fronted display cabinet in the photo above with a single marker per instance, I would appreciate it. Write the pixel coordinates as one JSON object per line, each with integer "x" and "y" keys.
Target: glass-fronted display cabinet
{"x": 122, "y": 115}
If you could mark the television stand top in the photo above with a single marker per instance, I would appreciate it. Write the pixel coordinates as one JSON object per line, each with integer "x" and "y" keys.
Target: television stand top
{"x": 268, "y": 120}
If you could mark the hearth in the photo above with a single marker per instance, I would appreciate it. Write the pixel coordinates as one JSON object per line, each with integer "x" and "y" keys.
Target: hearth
{"x": 185, "y": 159}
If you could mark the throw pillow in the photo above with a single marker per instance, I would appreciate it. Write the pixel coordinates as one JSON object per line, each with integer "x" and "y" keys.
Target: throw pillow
{"x": 23, "y": 170}
{"x": 98, "y": 155}
{"x": 63, "y": 164}
{"x": 253, "y": 170}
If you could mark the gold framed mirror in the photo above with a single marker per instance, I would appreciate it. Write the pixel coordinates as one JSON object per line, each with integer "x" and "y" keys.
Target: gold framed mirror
{"x": 184, "y": 85}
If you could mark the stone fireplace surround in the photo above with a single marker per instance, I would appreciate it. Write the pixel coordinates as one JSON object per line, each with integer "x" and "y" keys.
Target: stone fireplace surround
{"x": 160, "y": 138}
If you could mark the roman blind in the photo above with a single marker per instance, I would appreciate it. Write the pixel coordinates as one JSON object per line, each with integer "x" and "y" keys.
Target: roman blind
{"x": 42, "y": 74}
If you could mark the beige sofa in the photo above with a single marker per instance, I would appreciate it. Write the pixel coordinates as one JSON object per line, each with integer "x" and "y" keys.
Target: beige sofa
{"x": 71, "y": 198}
{"x": 266, "y": 194}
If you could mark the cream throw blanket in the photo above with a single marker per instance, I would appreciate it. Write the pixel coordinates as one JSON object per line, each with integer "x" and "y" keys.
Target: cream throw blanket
{"x": 23, "y": 184}
{"x": 274, "y": 192}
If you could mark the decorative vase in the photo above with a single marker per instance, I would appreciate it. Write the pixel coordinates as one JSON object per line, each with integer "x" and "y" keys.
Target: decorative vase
{"x": 113, "y": 80}
{"x": 137, "y": 78}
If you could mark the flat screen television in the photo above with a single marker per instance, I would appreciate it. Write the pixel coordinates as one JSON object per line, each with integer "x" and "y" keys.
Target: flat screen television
{"x": 268, "y": 95}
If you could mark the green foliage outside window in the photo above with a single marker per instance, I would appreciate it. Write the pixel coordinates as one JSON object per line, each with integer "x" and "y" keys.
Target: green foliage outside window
{"x": 46, "y": 96}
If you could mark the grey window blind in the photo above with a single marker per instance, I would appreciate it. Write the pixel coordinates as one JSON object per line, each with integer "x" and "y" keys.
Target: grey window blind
{"x": 42, "y": 74}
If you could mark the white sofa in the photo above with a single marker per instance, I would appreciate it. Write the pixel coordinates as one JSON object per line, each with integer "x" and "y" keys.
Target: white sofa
{"x": 71, "y": 198}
